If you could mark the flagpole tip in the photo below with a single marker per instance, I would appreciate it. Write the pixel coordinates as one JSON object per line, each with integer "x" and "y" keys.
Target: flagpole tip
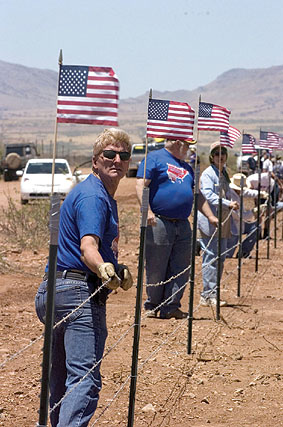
{"x": 60, "y": 61}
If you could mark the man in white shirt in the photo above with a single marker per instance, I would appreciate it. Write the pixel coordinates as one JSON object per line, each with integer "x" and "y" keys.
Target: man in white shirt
{"x": 267, "y": 165}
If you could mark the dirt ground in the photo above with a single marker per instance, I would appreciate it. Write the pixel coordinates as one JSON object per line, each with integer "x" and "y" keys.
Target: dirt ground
{"x": 232, "y": 378}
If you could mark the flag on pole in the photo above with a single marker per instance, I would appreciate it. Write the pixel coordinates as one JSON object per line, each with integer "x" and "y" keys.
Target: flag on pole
{"x": 88, "y": 95}
{"x": 269, "y": 140}
{"x": 212, "y": 117}
{"x": 170, "y": 120}
{"x": 227, "y": 138}
{"x": 248, "y": 144}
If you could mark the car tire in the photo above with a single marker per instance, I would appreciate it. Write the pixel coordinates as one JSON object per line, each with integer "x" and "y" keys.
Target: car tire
{"x": 24, "y": 202}
{"x": 7, "y": 176}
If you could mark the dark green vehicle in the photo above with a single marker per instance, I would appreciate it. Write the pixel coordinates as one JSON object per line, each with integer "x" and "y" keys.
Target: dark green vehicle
{"x": 15, "y": 158}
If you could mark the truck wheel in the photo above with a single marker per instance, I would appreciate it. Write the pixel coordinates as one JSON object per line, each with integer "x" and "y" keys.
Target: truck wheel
{"x": 7, "y": 176}
{"x": 13, "y": 160}
{"x": 24, "y": 202}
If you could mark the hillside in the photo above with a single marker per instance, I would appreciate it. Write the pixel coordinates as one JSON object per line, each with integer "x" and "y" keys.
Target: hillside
{"x": 28, "y": 105}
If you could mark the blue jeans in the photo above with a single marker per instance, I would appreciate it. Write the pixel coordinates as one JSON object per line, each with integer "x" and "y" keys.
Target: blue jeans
{"x": 209, "y": 274}
{"x": 168, "y": 249}
{"x": 78, "y": 344}
{"x": 247, "y": 243}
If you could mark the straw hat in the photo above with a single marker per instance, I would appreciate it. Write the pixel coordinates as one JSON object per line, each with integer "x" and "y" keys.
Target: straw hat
{"x": 235, "y": 183}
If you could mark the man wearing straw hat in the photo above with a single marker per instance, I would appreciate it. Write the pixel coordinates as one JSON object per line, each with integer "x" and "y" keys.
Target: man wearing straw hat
{"x": 168, "y": 236}
{"x": 249, "y": 224}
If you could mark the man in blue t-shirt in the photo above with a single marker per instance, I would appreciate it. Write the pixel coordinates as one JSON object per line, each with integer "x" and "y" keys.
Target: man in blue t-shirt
{"x": 87, "y": 259}
{"x": 168, "y": 238}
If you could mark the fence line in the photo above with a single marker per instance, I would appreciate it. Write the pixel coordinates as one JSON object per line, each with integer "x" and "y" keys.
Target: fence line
{"x": 115, "y": 344}
{"x": 180, "y": 325}
{"x": 146, "y": 315}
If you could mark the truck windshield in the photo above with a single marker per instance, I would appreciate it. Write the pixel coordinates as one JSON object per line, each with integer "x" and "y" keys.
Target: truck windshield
{"x": 140, "y": 149}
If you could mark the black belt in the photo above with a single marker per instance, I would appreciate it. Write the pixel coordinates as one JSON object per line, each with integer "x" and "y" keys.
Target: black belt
{"x": 74, "y": 275}
{"x": 93, "y": 281}
{"x": 169, "y": 219}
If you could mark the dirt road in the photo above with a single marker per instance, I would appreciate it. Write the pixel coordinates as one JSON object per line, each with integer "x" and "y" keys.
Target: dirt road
{"x": 232, "y": 378}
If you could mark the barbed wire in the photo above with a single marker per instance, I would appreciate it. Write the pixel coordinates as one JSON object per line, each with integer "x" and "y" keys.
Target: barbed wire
{"x": 141, "y": 366}
{"x": 147, "y": 314}
{"x": 120, "y": 339}
{"x": 13, "y": 356}
{"x": 180, "y": 325}
{"x": 127, "y": 379}
{"x": 115, "y": 344}
{"x": 105, "y": 283}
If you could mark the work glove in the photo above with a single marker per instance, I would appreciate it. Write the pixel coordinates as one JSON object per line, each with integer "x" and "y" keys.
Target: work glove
{"x": 106, "y": 271}
{"x": 264, "y": 194}
{"x": 262, "y": 209}
{"x": 126, "y": 277}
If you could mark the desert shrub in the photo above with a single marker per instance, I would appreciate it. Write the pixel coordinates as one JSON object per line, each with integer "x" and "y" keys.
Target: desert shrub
{"x": 3, "y": 264}
{"x": 129, "y": 224}
{"x": 25, "y": 226}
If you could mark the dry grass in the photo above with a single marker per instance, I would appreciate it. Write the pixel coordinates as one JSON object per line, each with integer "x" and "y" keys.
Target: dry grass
{"x": 25, "y": 227}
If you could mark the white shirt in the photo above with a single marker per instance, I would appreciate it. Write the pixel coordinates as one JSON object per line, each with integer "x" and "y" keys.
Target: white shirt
{"x": 267, "y": 165}
{"x": 252, "y": 181}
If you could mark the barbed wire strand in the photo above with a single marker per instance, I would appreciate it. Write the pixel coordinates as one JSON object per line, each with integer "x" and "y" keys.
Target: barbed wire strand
{"x": 104, "y": 284}
{"x": 149, "y": 357}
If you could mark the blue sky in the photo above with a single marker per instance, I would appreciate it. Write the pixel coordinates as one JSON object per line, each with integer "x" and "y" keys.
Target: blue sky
{"x": 158, "y": 44}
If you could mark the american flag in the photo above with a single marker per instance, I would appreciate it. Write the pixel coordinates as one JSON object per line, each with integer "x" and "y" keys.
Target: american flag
{"x": 228, "y": 138}
{"x": 88, "y": 95}
{"x": 170, "y": 120}
{"x": 213, "y": 117}
{"x": 280, "y": 143}
{"x": 248, "y": 143}
{"x": 269, "y": 140}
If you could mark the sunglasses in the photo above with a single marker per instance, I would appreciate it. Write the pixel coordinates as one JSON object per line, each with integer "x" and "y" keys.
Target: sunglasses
{"x": 111, "y": 154}
{"x": 217, "y": 153}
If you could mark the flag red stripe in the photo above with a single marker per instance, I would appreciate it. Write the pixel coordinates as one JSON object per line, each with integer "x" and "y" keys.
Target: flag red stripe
{"x": 102, "y": 95}
{"x": 89, "y": 104}
{"x": 169, "y": 133}
{"x": 87, "y": 122}
{"x": 103, "y": 79}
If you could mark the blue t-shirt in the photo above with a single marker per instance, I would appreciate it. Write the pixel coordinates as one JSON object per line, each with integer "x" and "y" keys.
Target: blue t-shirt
{"x": 88, "y": 209}
{"x": 171, "y": 187}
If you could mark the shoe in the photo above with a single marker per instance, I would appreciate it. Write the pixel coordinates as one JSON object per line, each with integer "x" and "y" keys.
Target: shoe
{"x": 206, "y": 302}
{"x": 177, "y": 314}
{"x": 213, "y": 301}
{"x": 244, "y": 255}
{"x": 150, "y": 314}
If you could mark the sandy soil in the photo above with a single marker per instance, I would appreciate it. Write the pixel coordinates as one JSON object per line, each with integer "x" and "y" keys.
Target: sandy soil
{"x": 232, "y": 378}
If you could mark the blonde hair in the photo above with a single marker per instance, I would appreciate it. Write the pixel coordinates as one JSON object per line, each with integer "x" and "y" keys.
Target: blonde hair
{"x": 114, "y": 136}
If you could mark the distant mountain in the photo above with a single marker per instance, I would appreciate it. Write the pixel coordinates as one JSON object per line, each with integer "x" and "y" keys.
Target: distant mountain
{"x": 28, "y": 98}
{"x": 24, "y": 88}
